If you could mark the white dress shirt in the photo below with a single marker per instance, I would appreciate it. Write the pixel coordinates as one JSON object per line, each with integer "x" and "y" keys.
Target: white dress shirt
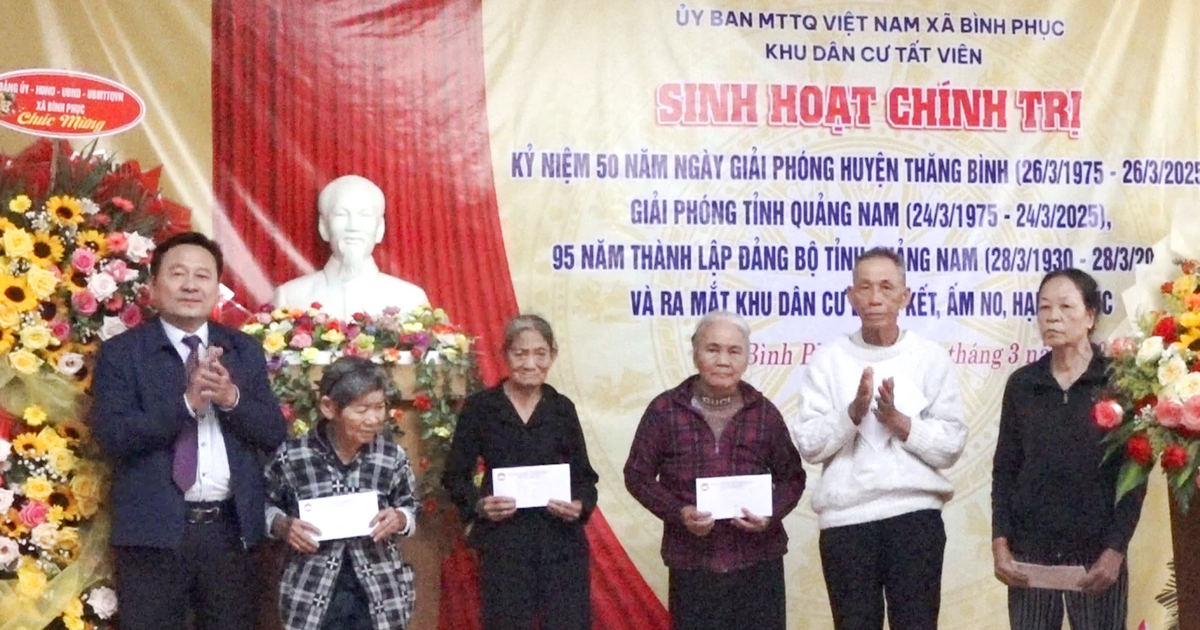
{"x": 212, "y": 464}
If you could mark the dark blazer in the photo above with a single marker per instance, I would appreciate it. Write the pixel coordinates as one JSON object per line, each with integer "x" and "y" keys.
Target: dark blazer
{"x": 138, "y": 411}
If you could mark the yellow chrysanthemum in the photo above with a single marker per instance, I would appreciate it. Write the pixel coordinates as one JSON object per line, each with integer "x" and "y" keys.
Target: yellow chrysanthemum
{"x": 65, "y": 211}
{"x": 34, "y": 415}
{"x": 48, "y": 249}
{"x": 17, "y": 243}
{"x": 16, "y": 294}
{"x": 333, "y": 336}
{"x": 24, "y": 361}
{"x": 42, "y": 282}
{"x": 38, "y": 488}
{"x": 1189, "y": 320}
{"x": 56, "y": 515}
{"x": 31, "y": 581}
{"x": 29, "y": 445}
{"x": 94, "y": 241}
{"x": 74, "y": 608}
{"x": 72, "y": 622}
{"x": 1184, "y": 286}
{"x": 19, "y": 204}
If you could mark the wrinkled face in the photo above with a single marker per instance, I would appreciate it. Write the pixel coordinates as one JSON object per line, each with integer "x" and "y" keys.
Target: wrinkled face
{"x": 721, "y": 354}
{"x": 878, "y": 292}
{"x": 186, "y": 287}
{"x": 1063, "y": 319}
{"x": 529, "y": 359}
{"x": 353, "y": 222}
{"x": 359, "y": 422}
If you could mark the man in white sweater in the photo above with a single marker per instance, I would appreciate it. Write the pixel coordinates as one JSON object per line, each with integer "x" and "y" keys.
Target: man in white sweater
{"x": 880, "y": 411}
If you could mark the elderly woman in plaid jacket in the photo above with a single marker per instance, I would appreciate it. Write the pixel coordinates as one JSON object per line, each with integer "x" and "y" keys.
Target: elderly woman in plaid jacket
{"x": 350, "y": 583}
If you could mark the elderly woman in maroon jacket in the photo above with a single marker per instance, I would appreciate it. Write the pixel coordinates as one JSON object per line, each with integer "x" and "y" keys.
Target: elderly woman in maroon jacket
{"x": 728, "y": 573}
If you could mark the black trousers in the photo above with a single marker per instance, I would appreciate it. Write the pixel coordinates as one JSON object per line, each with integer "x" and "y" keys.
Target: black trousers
{"x": 514, "y": 591}
{"x": 211, "y": 574}
{"x": 898, "y": 559}
{"x": 753, "y": 597}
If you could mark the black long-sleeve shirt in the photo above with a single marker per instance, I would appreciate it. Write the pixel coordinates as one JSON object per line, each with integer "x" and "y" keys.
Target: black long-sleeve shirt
{"x": 489, "y": 427}
{"x": 1053, "y": 495}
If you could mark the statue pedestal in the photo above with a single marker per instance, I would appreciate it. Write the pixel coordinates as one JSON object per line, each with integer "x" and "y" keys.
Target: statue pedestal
{"x": 437, "y": 531}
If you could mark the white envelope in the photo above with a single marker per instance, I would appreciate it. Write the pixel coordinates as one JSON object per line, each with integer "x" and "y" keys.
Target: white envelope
{"x": 533, "y": 486}
{"x": 341, "y": 516}
{"x": 1055, "y": 578}
{"x": 724, "y": 497}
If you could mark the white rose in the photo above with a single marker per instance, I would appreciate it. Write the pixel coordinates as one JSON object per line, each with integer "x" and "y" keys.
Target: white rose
{"x": 139, "y": 247}
{"x": 1187, "y": 386}
{"x": 447, "y": 339}
{"x": 112, "y": 327}
{"x": 70, "y": 363}
{"x": 89, "y": 206}
{"x": 6, "y": 500}
{"x": 102, "y": 285}
{"x": 8, "y": 551}
{"x": 1150, "y": 349}
{"x": 45, "y": 535}
{"x": 103, "y": 601}
{"x": 1171, "y": 370}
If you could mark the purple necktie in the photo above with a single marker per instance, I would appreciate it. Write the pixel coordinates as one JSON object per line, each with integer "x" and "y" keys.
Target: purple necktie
{"x": 183, "y": 468}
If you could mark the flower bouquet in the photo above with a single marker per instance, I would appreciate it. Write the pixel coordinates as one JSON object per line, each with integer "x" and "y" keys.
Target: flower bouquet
{"x": 1152, "y": 412}
{"x": 77, "y": 232}
{"x": 295, "y": 340}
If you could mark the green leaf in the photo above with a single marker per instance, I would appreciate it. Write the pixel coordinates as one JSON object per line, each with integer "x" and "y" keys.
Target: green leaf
{"x": 1132, "y": 476}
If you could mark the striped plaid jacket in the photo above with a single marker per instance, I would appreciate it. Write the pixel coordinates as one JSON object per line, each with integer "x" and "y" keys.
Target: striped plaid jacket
{"x": 308, "y": 468}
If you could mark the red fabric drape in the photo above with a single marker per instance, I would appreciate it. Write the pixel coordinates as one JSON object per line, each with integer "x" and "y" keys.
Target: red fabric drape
{"x": 305, "y": 91}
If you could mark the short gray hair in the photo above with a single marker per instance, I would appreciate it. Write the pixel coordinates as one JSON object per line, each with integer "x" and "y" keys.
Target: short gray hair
{"x": 713, "y": 317}
{"x": 528, "y": 321}
{"x": 350, "y": 378}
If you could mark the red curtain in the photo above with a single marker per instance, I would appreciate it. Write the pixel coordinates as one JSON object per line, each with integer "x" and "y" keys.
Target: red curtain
{"x": 305, "y": 91}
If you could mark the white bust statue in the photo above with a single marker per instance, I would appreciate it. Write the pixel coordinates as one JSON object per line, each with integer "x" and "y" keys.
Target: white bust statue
{"x": 351, "y": 220}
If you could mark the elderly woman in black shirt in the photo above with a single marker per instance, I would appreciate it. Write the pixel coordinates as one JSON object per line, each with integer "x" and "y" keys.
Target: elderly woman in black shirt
{"x": 1053, "y": 495}
{"x": 533, "y": 561}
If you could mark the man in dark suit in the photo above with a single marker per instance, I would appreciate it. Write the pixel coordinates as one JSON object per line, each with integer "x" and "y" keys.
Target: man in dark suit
{"x": 184, "y": 409}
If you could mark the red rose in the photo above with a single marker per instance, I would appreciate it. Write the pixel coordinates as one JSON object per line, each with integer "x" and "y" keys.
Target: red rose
{"x": 131, "y": 316}
{"x": 115, "y": 303}
{"x": 1167, "y": 287}
{"x": 316, "y": 305}
{"x": 287, "y": 412}
{"x": 1107, "y": 414}
{"x": 1174, "y": 457}
{"x": 422, "y": 403}
{"x": 1165, "y": 328}
{"x": 417, "y": 352}
{"x": 1138, "y": 449}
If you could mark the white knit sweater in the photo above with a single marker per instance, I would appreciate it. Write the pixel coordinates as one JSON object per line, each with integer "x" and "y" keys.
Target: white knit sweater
{"x": 860, "y": 484}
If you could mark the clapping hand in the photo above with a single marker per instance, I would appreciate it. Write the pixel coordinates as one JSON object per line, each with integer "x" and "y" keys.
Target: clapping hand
{"x": 210, "y": 383}
{"x": 862, "y": 400}
{"x": 886, "y": 412}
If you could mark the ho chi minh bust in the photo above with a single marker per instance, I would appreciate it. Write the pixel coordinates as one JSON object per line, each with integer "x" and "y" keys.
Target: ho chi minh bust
{"x": 351, "y": 220}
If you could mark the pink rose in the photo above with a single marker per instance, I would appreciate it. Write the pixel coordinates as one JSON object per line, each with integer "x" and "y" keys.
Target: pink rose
{"x": 132, "y": 315}
{"x": 34, "y": 513}
{"x": 264, "y": 318}
{"x": 83, "y": 260}
{"x": 1120, "y": 347}
{"x": 119, "y": 270}
{"x": 115, "y": 303}
{"x": 1191, "y": 414}
{"x": 101, "y": 220}
{"x": 1107, "y": 414}
{"x": 301, "y": 340}
{"x": 117, "y": 243}
{"x": 61, "y": 329}
{"x": 321, "y": 318}
{"x": 352, "y": 331}
{"x": 1169, "y": 413}
{"x": 84, "y": 301}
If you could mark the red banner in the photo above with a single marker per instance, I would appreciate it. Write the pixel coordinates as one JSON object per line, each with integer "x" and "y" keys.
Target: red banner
{"x": 65, "y": 104}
